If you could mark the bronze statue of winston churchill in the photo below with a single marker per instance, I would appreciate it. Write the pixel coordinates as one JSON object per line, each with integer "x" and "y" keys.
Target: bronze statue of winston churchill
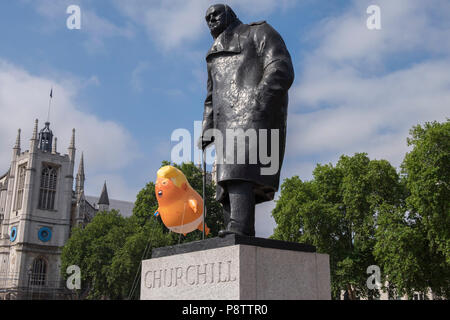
{"x": 249, "y": 74}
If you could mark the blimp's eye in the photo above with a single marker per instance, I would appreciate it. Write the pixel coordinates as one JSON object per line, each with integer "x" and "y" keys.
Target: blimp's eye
{"x": 164, "y": 183}
{"x": 160, "y": 193}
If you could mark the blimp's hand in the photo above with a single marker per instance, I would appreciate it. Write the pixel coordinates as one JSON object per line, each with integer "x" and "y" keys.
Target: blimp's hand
{"x": 193, "y": 204}
{"x": 156, "y": 214}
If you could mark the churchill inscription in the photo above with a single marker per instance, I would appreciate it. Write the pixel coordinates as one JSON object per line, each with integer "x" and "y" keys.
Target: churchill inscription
{"x": 236, "y": 272}
{"x": 206, "y": 274}
{"x": 191, "y": 275}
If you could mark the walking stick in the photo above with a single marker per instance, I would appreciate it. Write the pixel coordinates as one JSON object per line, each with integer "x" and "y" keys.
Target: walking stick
{"x": 204, "y": 190}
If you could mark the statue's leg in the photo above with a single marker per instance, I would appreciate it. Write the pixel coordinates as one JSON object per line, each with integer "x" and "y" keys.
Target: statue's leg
{"x": 226, "y": 211}
{"x": 241, "y": 208}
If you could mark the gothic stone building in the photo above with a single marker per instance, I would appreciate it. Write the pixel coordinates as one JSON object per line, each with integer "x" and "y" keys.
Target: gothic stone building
{"x": 38, "y": 208}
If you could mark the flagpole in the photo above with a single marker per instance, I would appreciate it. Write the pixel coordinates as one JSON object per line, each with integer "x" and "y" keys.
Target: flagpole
{"x": 49, "y": 104}
{"x": 204, "y": 190}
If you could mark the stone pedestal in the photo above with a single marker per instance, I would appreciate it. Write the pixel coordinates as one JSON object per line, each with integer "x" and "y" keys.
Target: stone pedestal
{"x": 237, "y": 268}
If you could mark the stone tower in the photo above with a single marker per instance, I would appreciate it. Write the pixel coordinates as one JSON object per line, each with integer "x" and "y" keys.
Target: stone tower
{"x": 35, "y": 208}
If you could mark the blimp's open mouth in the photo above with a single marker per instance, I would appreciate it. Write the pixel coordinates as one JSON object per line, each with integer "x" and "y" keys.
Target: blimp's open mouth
{"x": 160, "y": 193}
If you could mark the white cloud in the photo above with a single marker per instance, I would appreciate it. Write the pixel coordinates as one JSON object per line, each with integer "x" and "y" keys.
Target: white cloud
{"x": 351, "y": 97}
{"x": 362, "y": 90}
{"x": 98, "y": 29}
{"x": 95, "y": 27}
{"x": 118, "y": 187}
{"x": 168, "y": 23}
{"x": 407, "y": 25}
{"x": 136, "y": 75}
{"x": 264, "y": 222}
{"x": 175, "y": 23}
{"x": 107, "y": 145}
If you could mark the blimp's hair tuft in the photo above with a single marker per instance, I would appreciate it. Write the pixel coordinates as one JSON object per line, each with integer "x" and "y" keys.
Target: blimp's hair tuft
{"x": 173, "y": 174}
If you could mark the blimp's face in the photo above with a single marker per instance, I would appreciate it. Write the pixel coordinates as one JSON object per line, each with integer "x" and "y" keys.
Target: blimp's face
{"x": 165, "y": 190}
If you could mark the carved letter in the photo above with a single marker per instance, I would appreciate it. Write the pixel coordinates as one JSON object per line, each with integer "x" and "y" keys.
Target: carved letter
{"x": 165, "y": 277}
{"x": 229, "y": 272}
{"x": 187, "y": 275}
{"x": 201, "y": 274}
{"x": 220, "y": 274}
{"x": 157, "y": 278}
{"x": 212, "y": 272}
{"x": 178, "y": 274}
{"x": 148, "y": 283}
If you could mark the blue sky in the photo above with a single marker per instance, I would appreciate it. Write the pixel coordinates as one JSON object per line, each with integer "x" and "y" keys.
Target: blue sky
{"x": 135, "y": 72}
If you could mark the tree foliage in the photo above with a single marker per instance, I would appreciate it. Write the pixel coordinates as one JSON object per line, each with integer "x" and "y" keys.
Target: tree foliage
{"x": 361, "y": 213}
{"x": 110, "y": 248}
{"x": 413, "y": 240}
{"x": 336, "y": 212}
{"x": 427, "y": 175}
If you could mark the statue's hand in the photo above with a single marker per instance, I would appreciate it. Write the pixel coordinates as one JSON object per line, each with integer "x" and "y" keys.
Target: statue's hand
{"x": 258, "y": 101}
{"x": 203, "y": 144}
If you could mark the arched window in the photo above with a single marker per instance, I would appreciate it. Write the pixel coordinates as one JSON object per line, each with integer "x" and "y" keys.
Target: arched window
{"x": 38, "y": 272}
{"x": 48, "y": 188}
{"x": 20, "y": 186}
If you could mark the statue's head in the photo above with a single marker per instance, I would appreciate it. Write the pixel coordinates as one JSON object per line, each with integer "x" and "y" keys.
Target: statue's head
{"x": 219, "y": 17}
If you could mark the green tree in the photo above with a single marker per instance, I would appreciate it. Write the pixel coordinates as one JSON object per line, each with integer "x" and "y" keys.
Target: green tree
{"x": 109, "y": 251}
{"x": 146, "y": 203}
{"x": 336, "y": 212}
{"x": 124, "y": 278}
{"x": 93, "y": 248}
{"x": 413, "y": 238}
{"x": 427, "y": 174}
{"x": 402, "y": 251}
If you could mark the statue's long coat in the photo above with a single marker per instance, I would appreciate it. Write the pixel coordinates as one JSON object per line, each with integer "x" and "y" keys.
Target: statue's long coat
{"x": 249, "y": 74}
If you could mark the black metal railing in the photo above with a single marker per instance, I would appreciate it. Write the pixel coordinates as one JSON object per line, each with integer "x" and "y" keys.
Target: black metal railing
{"x": 33, "y": 287}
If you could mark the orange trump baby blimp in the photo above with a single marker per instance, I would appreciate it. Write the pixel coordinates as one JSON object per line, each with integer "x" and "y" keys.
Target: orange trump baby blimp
{"x": 180, "y": 206}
